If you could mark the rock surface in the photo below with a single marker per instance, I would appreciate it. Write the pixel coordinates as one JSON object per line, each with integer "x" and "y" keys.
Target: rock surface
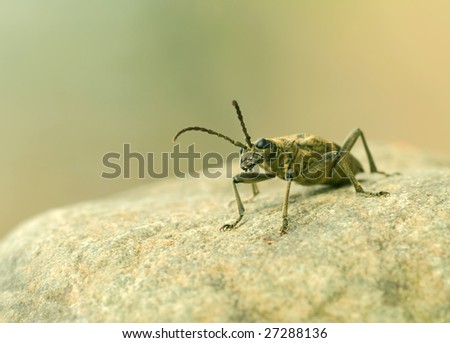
{"x": 155, "y": 254}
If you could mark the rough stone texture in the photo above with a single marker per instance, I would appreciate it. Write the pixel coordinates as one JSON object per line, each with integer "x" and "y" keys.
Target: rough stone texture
{"x": 155, "y": 254}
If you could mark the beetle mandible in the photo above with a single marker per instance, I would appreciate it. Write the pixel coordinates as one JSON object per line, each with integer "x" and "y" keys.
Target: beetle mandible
{"x": 304, "y": 158}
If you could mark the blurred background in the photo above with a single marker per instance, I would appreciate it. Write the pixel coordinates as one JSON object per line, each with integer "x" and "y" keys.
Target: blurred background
{"x": 79, "y": 79}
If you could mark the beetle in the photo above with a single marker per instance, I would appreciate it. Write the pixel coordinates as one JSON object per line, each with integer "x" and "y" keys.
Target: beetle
{"x": 303, "y": 158}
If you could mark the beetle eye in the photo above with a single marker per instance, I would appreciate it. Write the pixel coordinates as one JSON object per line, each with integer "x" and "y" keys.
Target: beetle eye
{"x": 263, "y": 144}
{"x": 241, "y": 150}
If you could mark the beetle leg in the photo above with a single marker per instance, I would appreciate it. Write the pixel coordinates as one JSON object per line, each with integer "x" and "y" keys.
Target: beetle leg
{"x": 284, "y": 225}
{"x": 251, "y": 178}
{"x": 356, "y": 184}
{"x": 350, "y": 142}
{"x": 255, "y": 193}
{"x": 255, "y": 189}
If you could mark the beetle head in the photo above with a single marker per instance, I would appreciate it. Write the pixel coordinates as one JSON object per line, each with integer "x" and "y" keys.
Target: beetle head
{"x": 262, "y": 151}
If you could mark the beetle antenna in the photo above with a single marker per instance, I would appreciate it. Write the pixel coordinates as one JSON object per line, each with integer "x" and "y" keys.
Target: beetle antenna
{"x": 211, "y": 132}
{"x": 241, "y": 120}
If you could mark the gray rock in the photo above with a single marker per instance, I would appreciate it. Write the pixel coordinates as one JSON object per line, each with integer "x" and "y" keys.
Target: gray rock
{"x": 155, "y": 254}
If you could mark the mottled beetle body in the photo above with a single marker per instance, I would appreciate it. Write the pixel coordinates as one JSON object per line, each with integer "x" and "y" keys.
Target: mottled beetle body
{"x": 299, "y": 157}
{"x": 302, "y": 158}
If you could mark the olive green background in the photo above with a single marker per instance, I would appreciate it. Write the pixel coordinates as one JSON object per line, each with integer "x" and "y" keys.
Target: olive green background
{"x": 79, "y": 79}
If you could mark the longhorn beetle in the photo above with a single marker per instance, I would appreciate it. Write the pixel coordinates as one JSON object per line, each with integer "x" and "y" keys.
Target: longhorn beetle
{"x": 303, "y": 158}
